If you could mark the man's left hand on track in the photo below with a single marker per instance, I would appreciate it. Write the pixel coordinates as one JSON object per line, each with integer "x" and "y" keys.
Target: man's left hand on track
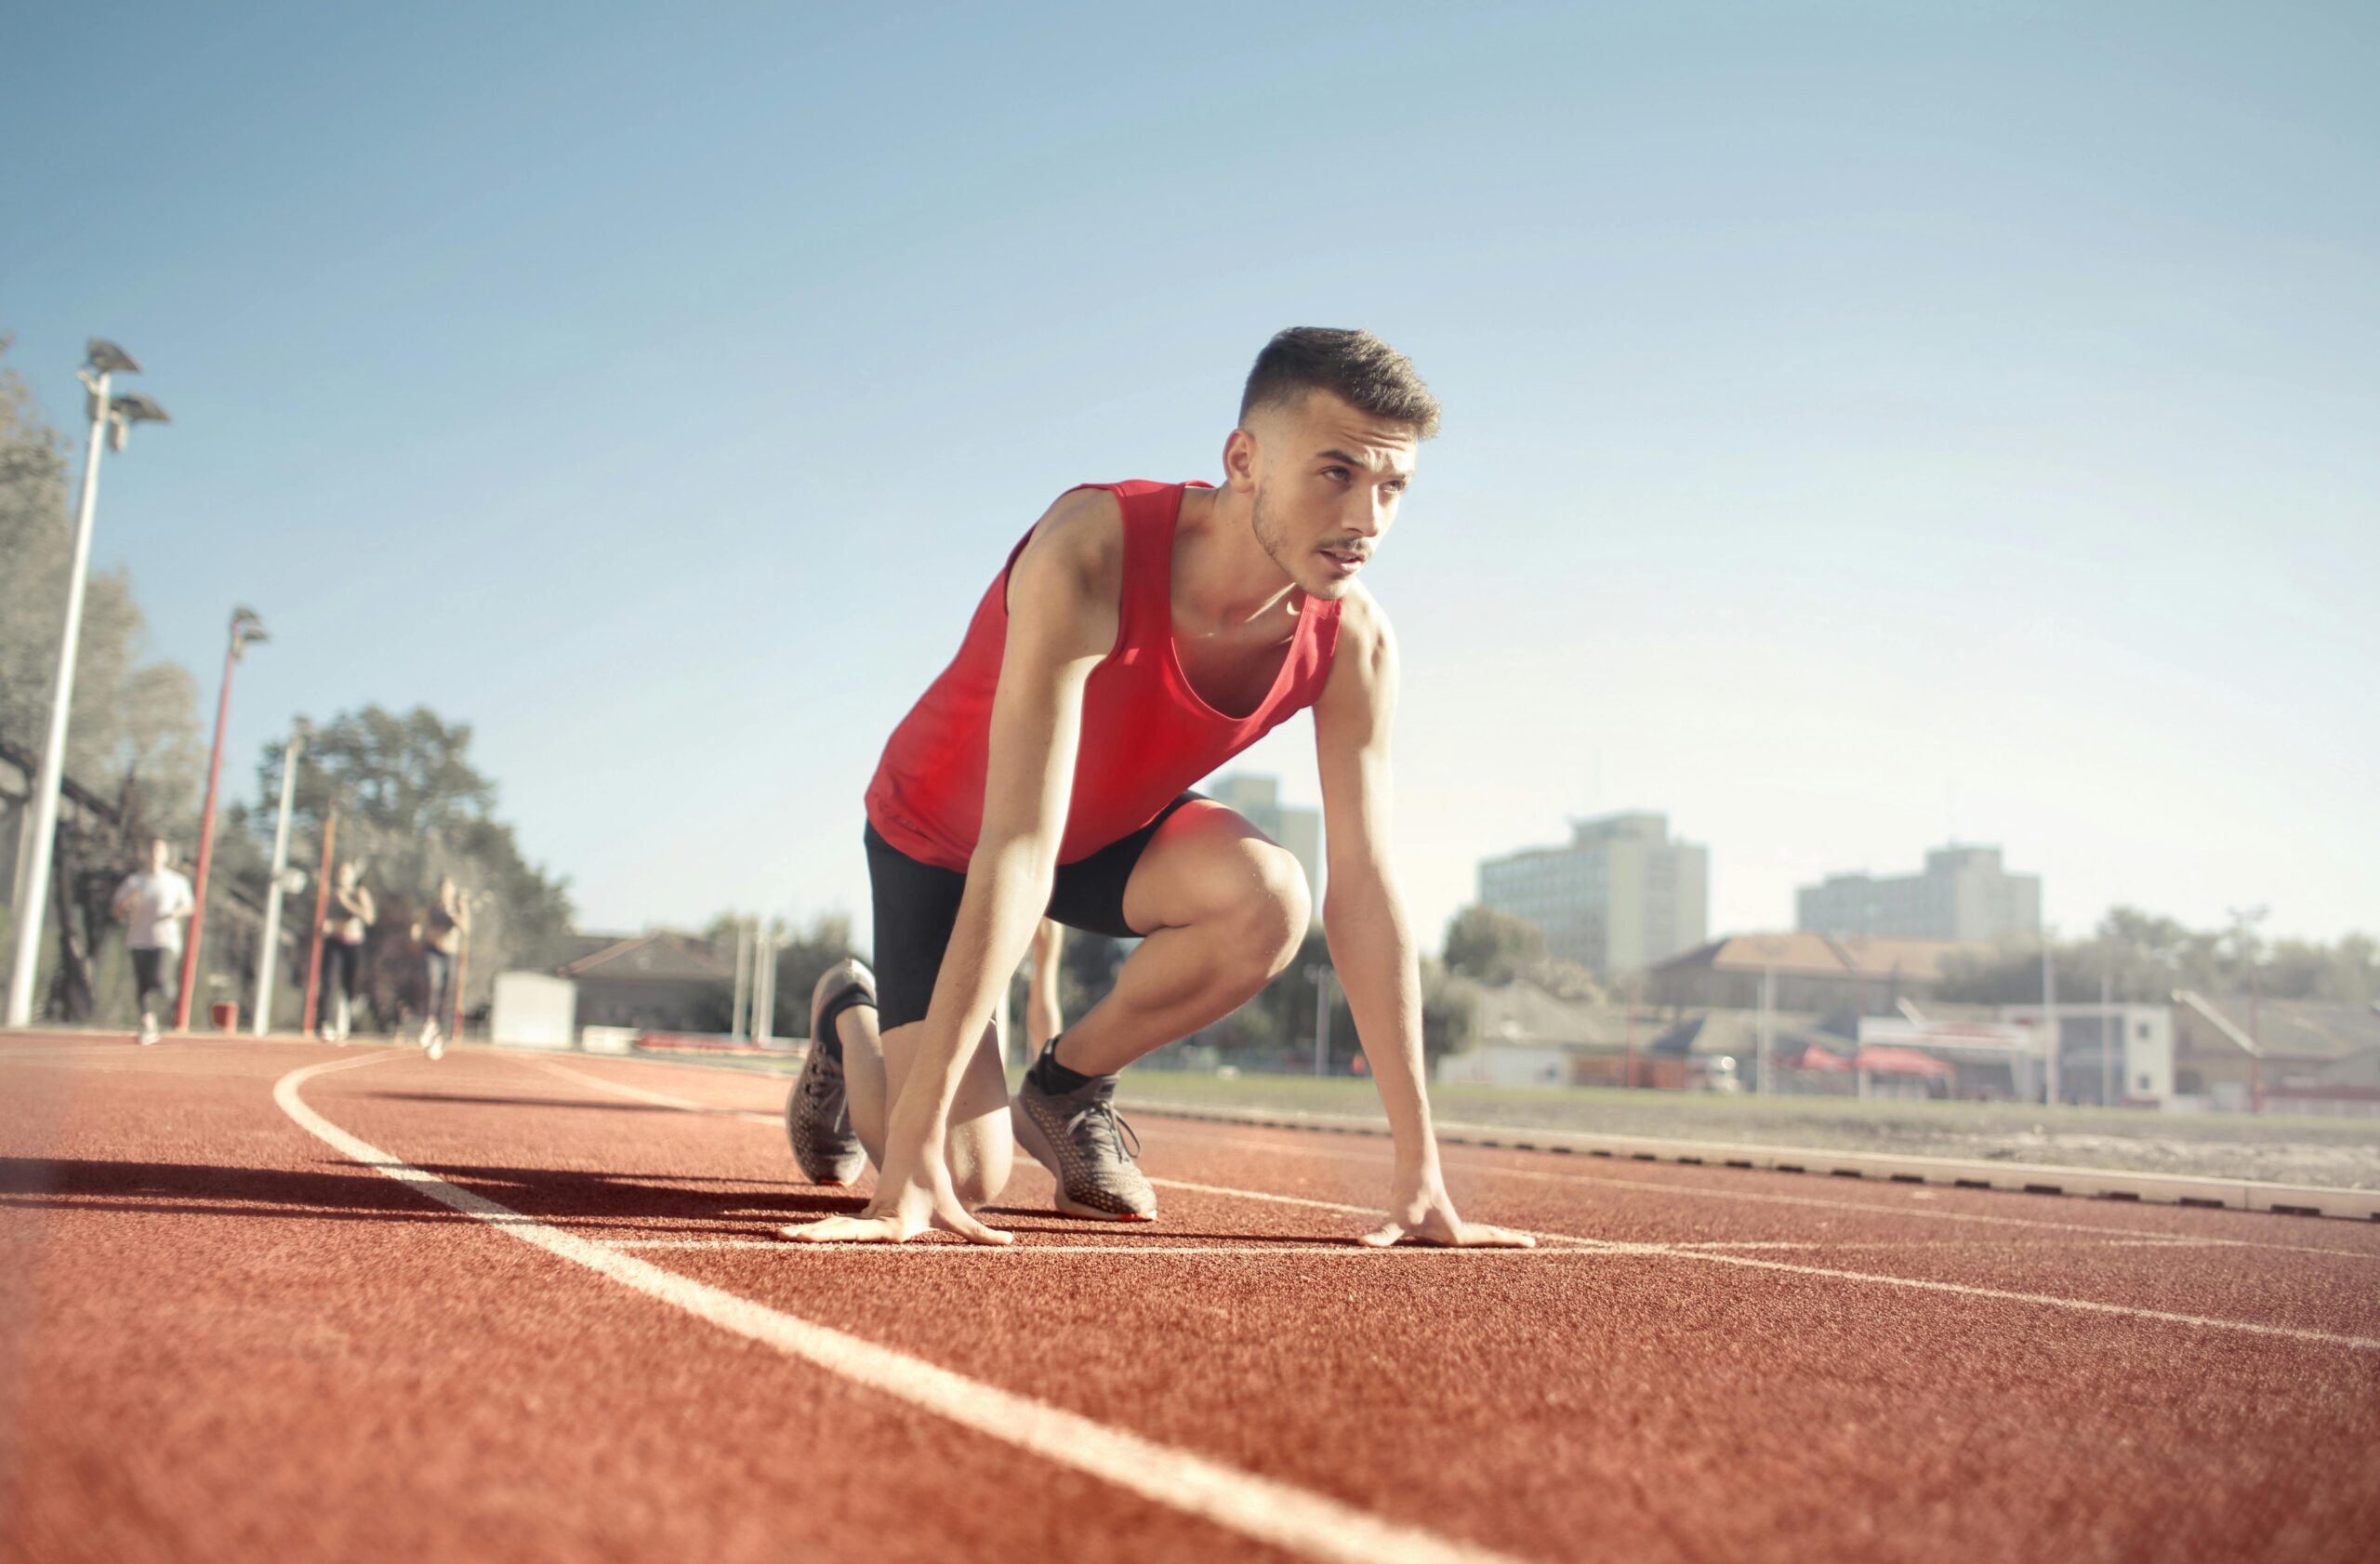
{"x": 901, "y": 1211}
{"x": 1422, "y": 1211}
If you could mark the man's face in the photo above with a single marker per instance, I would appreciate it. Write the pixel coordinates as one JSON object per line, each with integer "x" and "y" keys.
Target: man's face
{"x": 160, "y": 856}
{"x": 1327, "y": 480}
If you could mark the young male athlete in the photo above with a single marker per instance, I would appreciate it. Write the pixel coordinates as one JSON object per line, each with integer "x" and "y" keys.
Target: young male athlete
{"x": 1140, "y": 635}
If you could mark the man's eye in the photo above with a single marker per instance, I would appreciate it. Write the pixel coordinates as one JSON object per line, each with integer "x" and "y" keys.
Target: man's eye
{"x": 1336, "y": 475}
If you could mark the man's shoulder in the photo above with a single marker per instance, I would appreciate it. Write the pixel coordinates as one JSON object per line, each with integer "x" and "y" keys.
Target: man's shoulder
{"x": 1080, "y": 539}
{"x": 1088, "y": 518}
{"x": 1362, "y": 621}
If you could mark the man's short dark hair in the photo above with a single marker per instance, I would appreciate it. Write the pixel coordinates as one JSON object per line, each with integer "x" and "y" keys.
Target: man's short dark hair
{"x": 1355, "y": 366}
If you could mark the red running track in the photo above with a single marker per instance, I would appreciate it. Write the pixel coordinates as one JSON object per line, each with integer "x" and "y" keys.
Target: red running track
{"x": 274, "y": 1301}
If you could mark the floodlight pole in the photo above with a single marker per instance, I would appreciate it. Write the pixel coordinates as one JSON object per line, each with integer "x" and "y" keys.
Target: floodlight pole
{"x": 1320, "y": 973}
{"x": 32, "y": 881}
{"x": 2110, "y": 1038}
{"x": 245, "y": 627}
{"x": 1765, "y": 1039}
{"x": 462, "y": 965}
{"x": 2052, "y": 1038}
{"x": 743, "y": 978}
{"x": 306, "y": 1016}
{"x": 764, "y": 984}
{"x": 272, "y": 896}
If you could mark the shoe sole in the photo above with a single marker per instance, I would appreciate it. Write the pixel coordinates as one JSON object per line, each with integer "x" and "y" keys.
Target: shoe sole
{"x": 846, "y": 973}
{"x": 792, "y": 1098}
{"x": 1036, "y": 1145}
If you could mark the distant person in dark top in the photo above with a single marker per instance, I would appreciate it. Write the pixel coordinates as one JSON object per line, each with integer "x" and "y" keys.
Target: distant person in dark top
{"x": 351, "y": 914}
{"x": 440, "y": 931}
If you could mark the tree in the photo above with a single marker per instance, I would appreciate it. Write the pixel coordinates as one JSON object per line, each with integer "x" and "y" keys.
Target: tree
{"x": 801, "y": 960}
{"x": 1490, "y": 947}
{"x": 414, "y": 810}
{"x": 2147, "y": 957}
{"x": 1280, "y": 1018}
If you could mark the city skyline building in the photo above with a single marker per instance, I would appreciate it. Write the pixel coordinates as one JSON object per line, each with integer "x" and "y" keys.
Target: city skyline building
{"x": 1963, "y": 894}
{"x": 1621, "y": 894}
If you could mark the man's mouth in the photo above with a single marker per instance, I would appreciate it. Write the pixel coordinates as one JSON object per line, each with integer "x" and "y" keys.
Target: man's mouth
{"x": 1346, "y": 561}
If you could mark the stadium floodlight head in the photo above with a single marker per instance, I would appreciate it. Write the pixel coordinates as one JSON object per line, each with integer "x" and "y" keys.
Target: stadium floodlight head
{"x": 104, "y": 357}
{"x": 245, "y": 627}
{"x": 129, "y": 410}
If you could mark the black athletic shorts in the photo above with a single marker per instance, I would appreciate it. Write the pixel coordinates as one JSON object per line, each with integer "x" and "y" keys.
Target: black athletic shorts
{"x": 147, "y": 971}
{"x": 917, "y": 906}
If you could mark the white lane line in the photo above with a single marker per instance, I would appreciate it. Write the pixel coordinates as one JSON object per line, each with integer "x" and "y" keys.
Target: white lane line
{"x": 2047, "y": 1300}
{"x": 1547, "y": 1175}
{"x": 1271, "y": 1512}
{"x": 659, "y": 1099}
{"x": 1198, "y": 1128}
{"x": 1350, "y": 1250}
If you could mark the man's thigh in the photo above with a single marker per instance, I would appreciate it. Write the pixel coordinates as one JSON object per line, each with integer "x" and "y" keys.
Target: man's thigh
{"x": 1206, "y": 861}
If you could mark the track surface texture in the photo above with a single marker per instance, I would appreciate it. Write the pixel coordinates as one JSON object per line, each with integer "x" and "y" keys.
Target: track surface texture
{"x": 271, "y": 1300}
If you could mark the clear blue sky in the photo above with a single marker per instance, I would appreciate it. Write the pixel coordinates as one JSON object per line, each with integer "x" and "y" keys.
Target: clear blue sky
{"x": 1864, "y": 421}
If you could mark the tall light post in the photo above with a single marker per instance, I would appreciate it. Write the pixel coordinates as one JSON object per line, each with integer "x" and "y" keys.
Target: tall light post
{"x": 1320, "y": 973}
{"x": 2053, "y": 1036}
{"x": 2244, "y": 936}
{"x": 1765, "y": 1060}
{"x": 245, "y": 627}
{"x": 743, "y": 983}
{"x": 765, "y": 984}
{"x": 2111, "y": 1035}
{"x": 298, "y": 732}
{"x": 112, "y": 421}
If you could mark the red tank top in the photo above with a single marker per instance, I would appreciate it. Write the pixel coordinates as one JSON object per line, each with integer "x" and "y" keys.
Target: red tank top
{"x": 1146, "y": 735}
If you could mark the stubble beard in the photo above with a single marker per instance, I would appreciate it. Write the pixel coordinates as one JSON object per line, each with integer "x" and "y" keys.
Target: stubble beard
{"x": 1274, "y": 539}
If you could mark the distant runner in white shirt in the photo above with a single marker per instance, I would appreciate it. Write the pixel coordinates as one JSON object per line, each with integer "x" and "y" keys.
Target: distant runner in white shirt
{"x": 152, "y": 902}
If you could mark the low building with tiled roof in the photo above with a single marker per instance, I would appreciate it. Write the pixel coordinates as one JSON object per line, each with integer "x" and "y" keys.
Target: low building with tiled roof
{"x": 1810, "y": 972}
{"x": 657, "y": 981}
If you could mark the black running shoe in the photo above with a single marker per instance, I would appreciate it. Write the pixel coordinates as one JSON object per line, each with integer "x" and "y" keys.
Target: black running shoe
{"x": 817, "y": 1112}
{"x": 1079, "y": 1138}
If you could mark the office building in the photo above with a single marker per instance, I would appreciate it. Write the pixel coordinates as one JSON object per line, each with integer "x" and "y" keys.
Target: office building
{"x": 1962, "y": 895}
{"x": 1620, "y": 895}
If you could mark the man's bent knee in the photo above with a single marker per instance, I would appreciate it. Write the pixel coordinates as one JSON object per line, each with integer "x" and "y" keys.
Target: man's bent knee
{"x": 1270, "y": 923}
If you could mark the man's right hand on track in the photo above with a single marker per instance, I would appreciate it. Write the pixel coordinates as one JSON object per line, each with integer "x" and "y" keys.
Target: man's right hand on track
{"x": 899, "y": 1212}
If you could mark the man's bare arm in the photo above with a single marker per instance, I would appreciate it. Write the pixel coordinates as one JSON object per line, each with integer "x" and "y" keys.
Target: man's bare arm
{"x": 1364, "y": 918}
{"x": 1062, "y": 616}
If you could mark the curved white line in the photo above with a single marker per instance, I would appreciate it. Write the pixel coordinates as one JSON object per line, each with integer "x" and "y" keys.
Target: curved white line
{"x": 1270, "y": 1512}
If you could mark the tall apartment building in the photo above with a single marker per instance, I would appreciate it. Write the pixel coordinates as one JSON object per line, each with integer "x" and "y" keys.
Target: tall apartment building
{"x": 1258, "y": 798}
{"x": 1963, "y": 895}
{"x": 1620, "y": 896}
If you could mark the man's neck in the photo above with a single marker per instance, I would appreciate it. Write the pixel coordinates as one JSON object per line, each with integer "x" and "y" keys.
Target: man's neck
{"x": 1223, "y": 578}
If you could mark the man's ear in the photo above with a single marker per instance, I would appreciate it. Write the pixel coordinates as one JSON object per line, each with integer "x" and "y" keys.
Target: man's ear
{"x": 1239, "y": 462}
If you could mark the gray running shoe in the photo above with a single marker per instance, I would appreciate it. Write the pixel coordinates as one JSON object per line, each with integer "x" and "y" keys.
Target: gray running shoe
{"x": 817, "y": 1113}
{"x": 1078, "y": 1137}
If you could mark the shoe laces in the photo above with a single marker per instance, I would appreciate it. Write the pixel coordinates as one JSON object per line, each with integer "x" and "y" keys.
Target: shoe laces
{"x": 1118, "y": 1131}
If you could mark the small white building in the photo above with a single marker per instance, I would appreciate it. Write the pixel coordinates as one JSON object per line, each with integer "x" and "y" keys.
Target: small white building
{"x": 533, "y": 1009}
{"x": 1506, "y": 1064}
{"x": 2127, "y": 1047}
